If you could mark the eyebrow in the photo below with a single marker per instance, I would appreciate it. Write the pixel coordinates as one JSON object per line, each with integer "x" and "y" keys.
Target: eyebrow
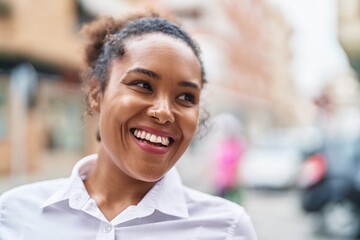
{"x": 144, "y": 71}
{"x": 152, "y": 74}
{"x": 189, "y": 84}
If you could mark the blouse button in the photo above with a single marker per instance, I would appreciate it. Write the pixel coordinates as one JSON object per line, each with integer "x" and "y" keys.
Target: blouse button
{"x": 107, "y": 228}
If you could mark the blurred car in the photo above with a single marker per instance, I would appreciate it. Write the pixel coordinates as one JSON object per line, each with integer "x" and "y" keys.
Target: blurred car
{"x": 330, "y": 187}
{"x": 270, "y": 167}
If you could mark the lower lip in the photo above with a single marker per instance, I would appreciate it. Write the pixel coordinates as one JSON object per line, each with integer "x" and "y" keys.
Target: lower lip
{"x": 151, "y": 148}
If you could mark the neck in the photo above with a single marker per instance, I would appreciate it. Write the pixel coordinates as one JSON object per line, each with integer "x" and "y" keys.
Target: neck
{"x": 112, "y": 189}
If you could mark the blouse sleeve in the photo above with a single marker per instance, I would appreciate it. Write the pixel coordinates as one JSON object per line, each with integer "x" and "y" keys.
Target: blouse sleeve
{"x": 11, "y": 218}
{"x": 242, "y": 228}
{"x": 3, "y": 222}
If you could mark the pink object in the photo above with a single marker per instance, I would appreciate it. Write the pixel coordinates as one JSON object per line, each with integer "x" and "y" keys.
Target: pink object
{"x": 228, "y": 157}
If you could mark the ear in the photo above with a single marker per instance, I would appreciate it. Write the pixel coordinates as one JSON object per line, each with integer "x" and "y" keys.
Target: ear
{"x": 95, "y": 95}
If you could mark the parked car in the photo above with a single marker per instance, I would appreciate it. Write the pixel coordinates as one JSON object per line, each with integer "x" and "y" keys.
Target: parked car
{"x": 330, "y": 187}
{"x": 270, "y": 167}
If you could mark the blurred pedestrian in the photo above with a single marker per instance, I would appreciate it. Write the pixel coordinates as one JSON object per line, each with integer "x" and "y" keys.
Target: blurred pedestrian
{"x": 228, "y": 159}
{"x": 229, "y": 150}
{"x": 144, "y": 79}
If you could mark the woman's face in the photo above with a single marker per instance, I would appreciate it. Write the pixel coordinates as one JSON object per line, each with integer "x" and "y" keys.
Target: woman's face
{"x": 150, "y": 108}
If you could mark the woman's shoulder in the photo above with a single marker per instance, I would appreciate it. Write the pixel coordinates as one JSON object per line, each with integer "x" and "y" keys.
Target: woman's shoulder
{"x": 213, "y": 204}
{"x": 218, "y": 213}
{"x": 22, "y": 204}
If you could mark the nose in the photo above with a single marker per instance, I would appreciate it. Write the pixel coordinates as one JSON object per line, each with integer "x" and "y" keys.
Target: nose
{"x": 162, "y": 111}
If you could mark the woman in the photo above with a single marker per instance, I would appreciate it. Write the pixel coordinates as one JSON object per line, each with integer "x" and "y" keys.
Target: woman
{"x": 144, "y": 79}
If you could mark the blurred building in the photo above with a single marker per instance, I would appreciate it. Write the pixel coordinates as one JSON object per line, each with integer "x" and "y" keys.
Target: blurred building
{"x": 40, "y": 31}
{"x": 349, "y": 30}
{"x": 38, "y": 114}
{"x": 245, "y": 51}
{"x": 339, "y": 100}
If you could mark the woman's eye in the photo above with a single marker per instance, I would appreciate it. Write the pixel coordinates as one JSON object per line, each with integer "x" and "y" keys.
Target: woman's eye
{"x": 187, "y": 97}
{"x": 144, "y": 85}
{"x": 141, "y": 85}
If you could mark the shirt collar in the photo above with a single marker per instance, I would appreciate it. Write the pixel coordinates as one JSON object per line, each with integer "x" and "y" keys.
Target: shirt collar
{"x": 167, "y": 196}
{"x": 74, "y": 189}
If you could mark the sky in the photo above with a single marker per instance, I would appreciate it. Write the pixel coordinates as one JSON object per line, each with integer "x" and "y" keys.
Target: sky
{"x": 317, "y": 54}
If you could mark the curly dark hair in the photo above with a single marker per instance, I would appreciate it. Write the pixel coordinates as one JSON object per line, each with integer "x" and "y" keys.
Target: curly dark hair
{"x": 106, "y": 41}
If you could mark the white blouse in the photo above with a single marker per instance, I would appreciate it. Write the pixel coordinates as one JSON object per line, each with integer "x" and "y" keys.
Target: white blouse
{"x": 62, "y": 209}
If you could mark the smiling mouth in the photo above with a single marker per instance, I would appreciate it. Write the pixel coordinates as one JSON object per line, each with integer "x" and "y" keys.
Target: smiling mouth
{"x": 150, "y": 138}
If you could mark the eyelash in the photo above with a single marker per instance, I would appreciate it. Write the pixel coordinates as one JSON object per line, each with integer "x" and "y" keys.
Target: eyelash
{"x": 147, "y": 86}
{"x": 188, "y": 95}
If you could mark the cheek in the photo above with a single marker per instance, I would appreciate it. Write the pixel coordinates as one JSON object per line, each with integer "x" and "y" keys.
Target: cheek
{"x": 116, "y": 111}
{"x": 123, "y": 103}
{"x": 189, "y": 124}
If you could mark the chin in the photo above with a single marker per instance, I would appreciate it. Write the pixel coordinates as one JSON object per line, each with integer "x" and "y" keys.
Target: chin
{"x": 150, "y": 177}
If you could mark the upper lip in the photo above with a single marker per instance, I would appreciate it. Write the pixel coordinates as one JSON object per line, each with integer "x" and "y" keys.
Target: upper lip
{"x": 156, "y": 132}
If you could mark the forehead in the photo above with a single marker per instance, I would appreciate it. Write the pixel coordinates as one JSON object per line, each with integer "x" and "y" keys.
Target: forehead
{"x": 159, "y": 41}
{"x": 149, "y": 48}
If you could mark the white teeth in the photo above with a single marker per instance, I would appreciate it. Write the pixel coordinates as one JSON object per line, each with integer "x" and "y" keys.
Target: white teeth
{"x": 151, "y": 137}
{"x": 165, "y": 141}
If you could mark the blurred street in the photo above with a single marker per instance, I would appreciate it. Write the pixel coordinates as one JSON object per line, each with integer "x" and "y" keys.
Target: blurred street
{"x": 277, "y": 215}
